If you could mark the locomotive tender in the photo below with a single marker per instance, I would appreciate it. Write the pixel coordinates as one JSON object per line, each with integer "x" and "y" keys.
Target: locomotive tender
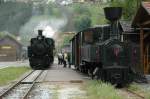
{"x": 99, "y": 51}
{"x": 40, "y": 51}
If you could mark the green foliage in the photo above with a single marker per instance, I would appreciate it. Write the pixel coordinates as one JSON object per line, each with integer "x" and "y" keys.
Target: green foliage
{"x": 13, "y": 15}
{"x": 101, "y": 90}
{"x": 140, "y": 89}
{"x": 52, "y": 10}
{"x": 82, "y": 22}
{"x": 82, "y": 10}
{"x": 97, "y": 11}
{"x": 133, "y": 87}
{"x": 82, "y": 17}
{"x": 66, "y": 40}
{"x": 11, "y": 73}
{"x": 147, "y": 95}
{"x": 116, "y": 3}
{"x": 129, "y": 7}
{"x": 92, "y": 12}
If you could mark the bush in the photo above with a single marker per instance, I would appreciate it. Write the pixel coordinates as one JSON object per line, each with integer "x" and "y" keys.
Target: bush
{"x": 82, "y": 10}
{"x": 82, "y": 22}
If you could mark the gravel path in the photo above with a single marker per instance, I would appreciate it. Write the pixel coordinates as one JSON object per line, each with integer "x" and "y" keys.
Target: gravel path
{"x": 127, "y": 95}
{"x": 58, "y": 91}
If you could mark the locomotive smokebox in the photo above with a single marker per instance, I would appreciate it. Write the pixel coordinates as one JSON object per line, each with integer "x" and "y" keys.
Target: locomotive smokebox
{"x": 113, "y": 13}
{"x": 40, "y": 32}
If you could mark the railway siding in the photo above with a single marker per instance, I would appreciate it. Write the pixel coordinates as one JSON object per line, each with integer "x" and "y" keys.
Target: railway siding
{"x": 128, "y": 95}
{"x": 139, "y": 91}
{"x": 66, "y": 83}
{"x": 20, "y": 90}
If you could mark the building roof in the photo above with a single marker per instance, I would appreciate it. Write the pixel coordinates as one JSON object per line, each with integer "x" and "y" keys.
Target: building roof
{"x": 14, "y": 40}
{"x": 126, "y": 26}
{"x": 142, "y": 17}
{"x": 128, "y": 29}
{"x": 146, "y": 5}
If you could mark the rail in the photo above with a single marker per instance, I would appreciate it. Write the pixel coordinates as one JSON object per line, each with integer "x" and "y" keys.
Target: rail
{"x": 5, "y": 93}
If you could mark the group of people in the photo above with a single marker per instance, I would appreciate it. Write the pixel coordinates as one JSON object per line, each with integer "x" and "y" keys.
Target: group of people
{"x": 64, "y": 59}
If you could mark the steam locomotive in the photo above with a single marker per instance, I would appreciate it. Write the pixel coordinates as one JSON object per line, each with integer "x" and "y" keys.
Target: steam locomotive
{"x": 40, "y": 51}
{"x": 99, "y": 52}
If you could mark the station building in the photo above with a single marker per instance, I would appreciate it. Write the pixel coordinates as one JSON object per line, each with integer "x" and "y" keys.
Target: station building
{"x": 142, "y": 21}
{"x": 138, "y": 31}
{"x": 10, "y": 49}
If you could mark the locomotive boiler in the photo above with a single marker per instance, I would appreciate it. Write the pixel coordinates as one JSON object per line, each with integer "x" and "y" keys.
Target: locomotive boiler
{"x": 40, "y": 51}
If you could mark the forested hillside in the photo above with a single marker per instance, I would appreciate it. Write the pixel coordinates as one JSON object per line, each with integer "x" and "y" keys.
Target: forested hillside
{"x": 13, "y": 15}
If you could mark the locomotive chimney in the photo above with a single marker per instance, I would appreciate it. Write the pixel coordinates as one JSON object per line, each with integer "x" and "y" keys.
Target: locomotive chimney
{"x": 40, "y": 32}
{"x": 113, "y": 14}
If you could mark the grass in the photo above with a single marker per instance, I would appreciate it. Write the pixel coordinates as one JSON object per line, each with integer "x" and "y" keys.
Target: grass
{"x": 147, "y": 95}
{"x": 11, "y": 73}
{"x": 133, "y": 87}
{"x": 101, "y": 90}
{"x": 138, "y": 89}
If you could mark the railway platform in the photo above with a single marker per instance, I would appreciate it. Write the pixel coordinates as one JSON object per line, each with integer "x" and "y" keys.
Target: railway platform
{"x": 57, "y": 73}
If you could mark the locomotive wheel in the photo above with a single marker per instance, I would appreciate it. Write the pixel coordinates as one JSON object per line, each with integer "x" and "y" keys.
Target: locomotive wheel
{"x": 118, "y": 85}
{"x": 80, "y": 69}
{"x": 90, "y": 73}
{"x": 85, "y": 69}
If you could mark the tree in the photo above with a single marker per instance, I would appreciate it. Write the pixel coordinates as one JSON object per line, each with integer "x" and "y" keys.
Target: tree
{"x": 129, "y": 7}
{"x": 82, "y": 9}
{"x": 82, "y": 22}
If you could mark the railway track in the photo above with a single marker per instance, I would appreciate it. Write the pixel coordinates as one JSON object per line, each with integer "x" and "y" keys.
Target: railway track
{"x": 23, "y": 87}
{"x": 133, "y": 94}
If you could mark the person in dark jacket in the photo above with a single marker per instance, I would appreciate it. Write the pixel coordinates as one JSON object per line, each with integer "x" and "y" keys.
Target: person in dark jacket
{"x": 69, "y": 63}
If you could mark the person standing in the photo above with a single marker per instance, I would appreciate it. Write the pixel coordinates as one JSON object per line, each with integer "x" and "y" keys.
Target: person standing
{"x": 68, "y": 58}
{"x": 60, "y": 58}
{"x": 65, "y": 59}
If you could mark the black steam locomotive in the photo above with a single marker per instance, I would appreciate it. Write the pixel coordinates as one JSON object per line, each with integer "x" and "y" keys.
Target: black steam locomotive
{"x": 40, "y": 52}
{"x": 99, "y": 52}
